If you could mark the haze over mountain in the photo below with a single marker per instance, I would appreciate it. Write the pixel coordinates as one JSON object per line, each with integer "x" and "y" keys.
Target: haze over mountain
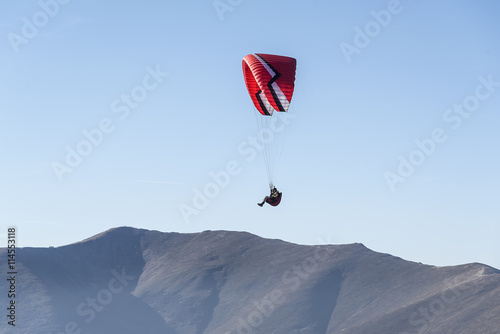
{"x": 128, "y": 280}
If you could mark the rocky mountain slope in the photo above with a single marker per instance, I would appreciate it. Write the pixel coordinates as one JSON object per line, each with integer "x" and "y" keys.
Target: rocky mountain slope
{"x": 127, "y": 280}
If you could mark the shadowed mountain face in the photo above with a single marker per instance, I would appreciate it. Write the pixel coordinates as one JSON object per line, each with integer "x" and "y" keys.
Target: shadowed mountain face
{"x": 135, "y": 281}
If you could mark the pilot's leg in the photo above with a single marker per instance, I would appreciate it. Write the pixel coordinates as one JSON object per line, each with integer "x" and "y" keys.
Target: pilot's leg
{"x": 263, "y": 201}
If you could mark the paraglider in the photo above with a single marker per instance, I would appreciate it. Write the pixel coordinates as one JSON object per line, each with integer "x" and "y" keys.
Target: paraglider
{"x": 270, "y": 81}
{"x": 274, "y": 199}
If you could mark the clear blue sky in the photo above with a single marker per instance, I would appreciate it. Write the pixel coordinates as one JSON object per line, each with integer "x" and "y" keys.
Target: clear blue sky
{"x": 368, "y": 87}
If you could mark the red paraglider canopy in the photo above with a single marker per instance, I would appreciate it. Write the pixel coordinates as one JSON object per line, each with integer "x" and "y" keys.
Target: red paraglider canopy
{"x": 270, "y": 81}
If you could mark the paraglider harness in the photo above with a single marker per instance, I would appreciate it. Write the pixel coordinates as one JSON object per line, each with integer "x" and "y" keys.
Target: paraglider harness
{"x": 274, "y": 199}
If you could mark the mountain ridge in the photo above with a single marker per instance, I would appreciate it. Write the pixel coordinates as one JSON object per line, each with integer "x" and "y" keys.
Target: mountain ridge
{"x": 127, "y": 280}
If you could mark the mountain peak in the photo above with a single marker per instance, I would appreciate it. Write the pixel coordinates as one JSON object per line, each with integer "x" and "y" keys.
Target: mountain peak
{"x": 215, "y": 282}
